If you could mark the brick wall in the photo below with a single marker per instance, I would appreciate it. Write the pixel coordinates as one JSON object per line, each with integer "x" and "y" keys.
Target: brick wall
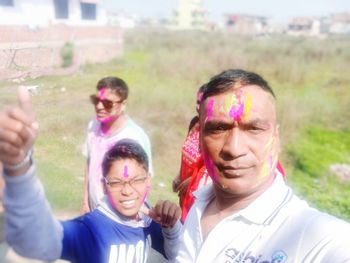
{"x": 37, "y": 51}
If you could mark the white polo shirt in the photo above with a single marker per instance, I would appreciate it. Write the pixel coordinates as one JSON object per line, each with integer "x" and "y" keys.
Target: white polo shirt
{"x": 277, "y": 227}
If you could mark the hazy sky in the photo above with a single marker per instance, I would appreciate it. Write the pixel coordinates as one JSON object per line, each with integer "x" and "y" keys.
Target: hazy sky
{"x": 277, "y": 10}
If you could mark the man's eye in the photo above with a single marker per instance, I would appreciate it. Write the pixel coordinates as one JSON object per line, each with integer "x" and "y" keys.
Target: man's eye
{"x": 255, "y": 129}
{"x": 216, "y": 129}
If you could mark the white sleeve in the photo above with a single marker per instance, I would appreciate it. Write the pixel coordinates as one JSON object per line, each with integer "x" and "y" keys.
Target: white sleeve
{"x": 30, "y": 227}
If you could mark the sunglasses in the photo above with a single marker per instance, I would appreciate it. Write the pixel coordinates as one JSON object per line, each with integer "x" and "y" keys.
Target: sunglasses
{"x": 107, "y": 104}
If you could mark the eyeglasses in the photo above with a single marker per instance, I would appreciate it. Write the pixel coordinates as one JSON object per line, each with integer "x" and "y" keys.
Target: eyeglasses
{"x": 118, "y": 185}
{"x": 107, "y": 104}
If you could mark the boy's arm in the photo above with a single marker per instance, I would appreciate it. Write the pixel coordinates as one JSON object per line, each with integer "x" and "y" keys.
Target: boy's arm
{"x": 167, "y": 214}
{"x": 172, "y": 239}
{"x": 29, "y": 225}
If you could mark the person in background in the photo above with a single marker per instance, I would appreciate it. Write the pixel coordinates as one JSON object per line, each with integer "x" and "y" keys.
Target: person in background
{"x": 121, "y": 229}
{"x": 248, "y": 213}
{"x": 193, "y": 173}
{"x": 110, "y": 125}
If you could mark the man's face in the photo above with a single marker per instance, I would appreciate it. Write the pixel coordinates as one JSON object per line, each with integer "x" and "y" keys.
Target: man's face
{"x": 108, "y": 105}
{"x": 240, "y": 140}
{"x": 127, "y": 186}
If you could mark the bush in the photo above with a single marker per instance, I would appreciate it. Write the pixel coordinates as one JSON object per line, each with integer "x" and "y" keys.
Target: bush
{"x": 67, "y": 54}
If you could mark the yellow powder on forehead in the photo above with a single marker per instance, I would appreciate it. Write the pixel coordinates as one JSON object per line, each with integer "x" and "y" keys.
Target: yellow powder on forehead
{"x": 247, "y": 107}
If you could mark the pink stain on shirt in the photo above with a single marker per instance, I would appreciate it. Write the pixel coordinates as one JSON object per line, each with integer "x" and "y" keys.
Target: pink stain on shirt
{"x": 125, "y": 174}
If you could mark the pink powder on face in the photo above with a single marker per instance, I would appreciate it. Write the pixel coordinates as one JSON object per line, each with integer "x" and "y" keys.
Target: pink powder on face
{"x": 111, "y": 201}
{"x": 210, "y": 109}
{"x": 210, "y": 168}
{"x": 125, "y": 174}
{"x": 236, "y": 113}
{"x": 105, "y": 120}
{"x": 146, "y": 194}
{"x": 102, "y": 92}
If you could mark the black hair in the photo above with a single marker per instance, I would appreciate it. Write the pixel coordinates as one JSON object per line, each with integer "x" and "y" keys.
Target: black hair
{"x": 227, "y": 79}
{"x": 116, "y": 84}
{"x": 125, "y": 149}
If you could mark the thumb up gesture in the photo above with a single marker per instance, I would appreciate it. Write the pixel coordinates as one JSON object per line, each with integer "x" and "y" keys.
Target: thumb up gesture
{"x": 18, "y": 131}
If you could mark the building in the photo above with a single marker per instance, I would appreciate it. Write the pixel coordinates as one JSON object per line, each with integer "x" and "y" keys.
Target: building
{"x": 308, "y": 26}
{"x": 246, "y": 24}
{"x": 38, "y": 13}
{"x": 38, "y": 35}
{"x": 340, "y": 23}
{"x": 191, "y": 15}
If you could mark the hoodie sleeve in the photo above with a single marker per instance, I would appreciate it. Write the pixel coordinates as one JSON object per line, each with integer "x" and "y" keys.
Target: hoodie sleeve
{"x": 30, "y": 228}
{"x": 172, "y": 240}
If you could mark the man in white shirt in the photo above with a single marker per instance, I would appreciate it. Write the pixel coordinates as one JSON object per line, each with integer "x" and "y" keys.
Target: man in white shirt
{"x": 249, "y": 214}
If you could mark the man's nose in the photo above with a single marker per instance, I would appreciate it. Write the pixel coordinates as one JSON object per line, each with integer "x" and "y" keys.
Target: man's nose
{"x": 235, "y": 144}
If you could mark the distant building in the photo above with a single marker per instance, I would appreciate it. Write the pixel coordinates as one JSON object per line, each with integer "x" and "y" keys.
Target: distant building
{"x": 340, "y": 23}
{"x": 246, "y": 24}
{"x": 308, "y": 26}
{"x": 191, "y": 15}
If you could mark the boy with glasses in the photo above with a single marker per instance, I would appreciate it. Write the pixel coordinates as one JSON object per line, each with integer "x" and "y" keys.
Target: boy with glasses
{"x": 121, "y": 229}
{"x": 110, "y": 125}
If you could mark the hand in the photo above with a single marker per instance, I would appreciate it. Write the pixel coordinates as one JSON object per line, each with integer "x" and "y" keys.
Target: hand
{"x": 182, "y": 187}
{"x": 18, "y": 130}
{"x": 176, "y": 183}
{"x": 165, "y": 213}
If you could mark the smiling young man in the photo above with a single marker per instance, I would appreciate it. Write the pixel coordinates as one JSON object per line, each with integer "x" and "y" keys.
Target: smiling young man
{"x": 249, "y": 214}
{"x": 110, "y": 125}
{"x": 122, "y": 228}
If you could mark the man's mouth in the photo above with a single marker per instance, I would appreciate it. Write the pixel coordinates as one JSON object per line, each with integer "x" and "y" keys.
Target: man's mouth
{"x": 233, "y": 171}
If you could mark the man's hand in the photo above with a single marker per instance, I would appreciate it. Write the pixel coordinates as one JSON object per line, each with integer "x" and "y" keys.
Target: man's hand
{"x": 18, "y": 131}
{"x": 165, "y": 213}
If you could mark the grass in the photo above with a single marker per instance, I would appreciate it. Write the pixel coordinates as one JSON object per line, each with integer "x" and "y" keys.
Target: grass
{"x": 164, "y": 70}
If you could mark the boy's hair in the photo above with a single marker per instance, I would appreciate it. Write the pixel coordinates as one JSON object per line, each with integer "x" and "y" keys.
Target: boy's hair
{"x": 116, "y": 84}
{"x": 228, "y": 78}
{"x": 125, "y": 149}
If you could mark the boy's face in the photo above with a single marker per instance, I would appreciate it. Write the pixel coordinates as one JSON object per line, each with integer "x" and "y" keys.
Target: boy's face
{"x": 127, "y": 186}
{"x": 108, "y": 105}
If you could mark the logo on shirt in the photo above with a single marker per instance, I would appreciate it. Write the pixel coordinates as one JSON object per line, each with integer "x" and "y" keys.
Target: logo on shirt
{"x": 128, "y": 253}
{"x": 235, "y": 256}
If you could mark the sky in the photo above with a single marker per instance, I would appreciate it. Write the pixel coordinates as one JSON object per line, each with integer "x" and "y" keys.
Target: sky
{"x": 276, "y": 10}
